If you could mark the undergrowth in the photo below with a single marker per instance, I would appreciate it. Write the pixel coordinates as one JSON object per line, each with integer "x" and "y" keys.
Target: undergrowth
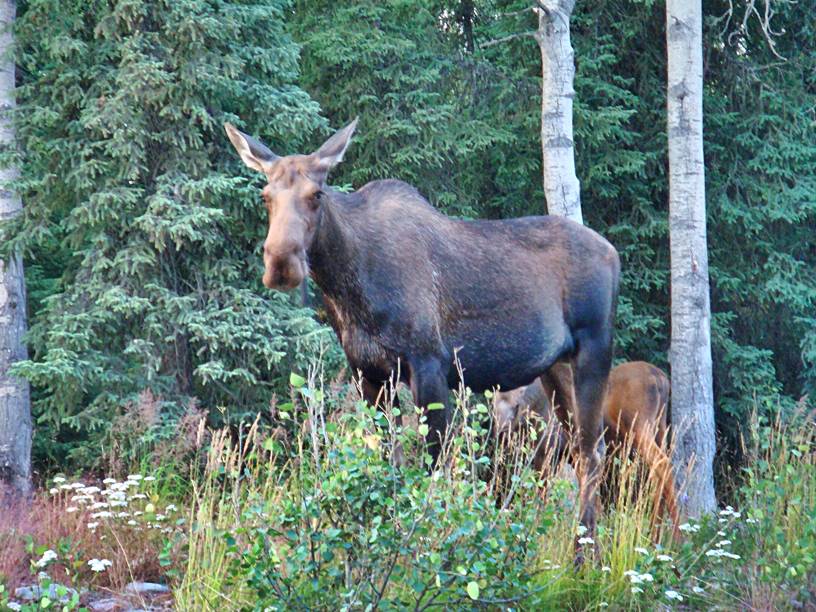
{"x": 303, "y": 509}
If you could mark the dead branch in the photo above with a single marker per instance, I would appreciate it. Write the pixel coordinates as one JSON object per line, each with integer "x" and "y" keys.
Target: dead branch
{"x": 504, "y": 39}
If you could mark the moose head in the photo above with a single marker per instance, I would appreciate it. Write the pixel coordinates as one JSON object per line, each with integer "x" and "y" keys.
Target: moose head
{"x": 294, "y": 197}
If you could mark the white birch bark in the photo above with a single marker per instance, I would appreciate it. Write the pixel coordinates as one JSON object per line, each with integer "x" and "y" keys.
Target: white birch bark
{"x": 692, "y": 402}
{"x": 561, "y": 186}
{"x": 15, "y": 408}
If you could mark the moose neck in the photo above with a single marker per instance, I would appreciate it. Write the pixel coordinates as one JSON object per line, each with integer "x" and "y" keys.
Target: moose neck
{"x": 332, "y": 253}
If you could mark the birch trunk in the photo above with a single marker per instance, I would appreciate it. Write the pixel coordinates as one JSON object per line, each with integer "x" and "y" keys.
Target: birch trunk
{"x": 561, "y": 186}
{"x": 690, "y": 352}
{"x": 15, "y": 408}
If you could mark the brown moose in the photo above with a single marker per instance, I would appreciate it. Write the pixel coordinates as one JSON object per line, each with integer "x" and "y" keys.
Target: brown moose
{"x": 404, "y": 287}
{"x": 634, "y": 408}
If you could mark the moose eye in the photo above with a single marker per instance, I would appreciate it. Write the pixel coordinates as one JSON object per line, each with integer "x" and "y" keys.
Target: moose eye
{"x": 316, "y": 200}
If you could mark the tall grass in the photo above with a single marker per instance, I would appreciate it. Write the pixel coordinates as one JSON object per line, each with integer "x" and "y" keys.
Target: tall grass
{"x": 311, "y": 519}
{"x": 311, "y": 514}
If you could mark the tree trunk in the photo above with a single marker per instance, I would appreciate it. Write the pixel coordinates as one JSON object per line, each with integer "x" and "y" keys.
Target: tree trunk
{"x": 561, "y": 186}
{"x": 15, "y": 408}
{"x": 690, "y": 353}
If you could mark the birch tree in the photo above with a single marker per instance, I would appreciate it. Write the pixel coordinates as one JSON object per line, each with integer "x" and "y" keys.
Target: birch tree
{"x": 690, "y": 352}
{"x": 562, "y": 189}
{"x": 15, "y": 407}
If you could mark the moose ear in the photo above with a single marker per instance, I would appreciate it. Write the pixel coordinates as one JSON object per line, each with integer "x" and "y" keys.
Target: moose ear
{"x": 255, "y": 154}
{"x": 332, "y": 151}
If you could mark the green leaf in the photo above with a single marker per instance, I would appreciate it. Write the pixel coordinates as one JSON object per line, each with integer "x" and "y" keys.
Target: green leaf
{"x": 473, "y": 589}
{"x": 436, "y": 406}
{"x": 296, "y": 380}
{"x": 423, "y": 430}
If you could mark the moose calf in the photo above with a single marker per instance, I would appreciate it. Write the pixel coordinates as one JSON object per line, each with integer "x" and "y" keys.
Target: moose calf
{"x": 634, "y": 407}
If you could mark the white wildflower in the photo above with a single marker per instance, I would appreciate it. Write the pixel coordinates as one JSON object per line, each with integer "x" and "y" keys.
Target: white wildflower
{"x": 751, "y": 520}
{"x": 689, "y": 527}
{"x": 48, "y": 556}
{"x": 697, "y": 590}
{"x": 722, "y": 543}
{"x": 674, "y": 595}
{"x": 581, "y": 530}
{"x": 172, "y": 508}
{"x": 70, "y": 509}
{"x": 586, "y": 540}
{"x": 58, "y": 479}
{"x": 65, "y": 487}
{"x": 99, "y": 565}
{"x": 132, "y": 522}
{"x": 606, "y": 568}
{"x": 641, "y": 550}
{"x": 135, "y": 477}
{"x": 721, "y": 552}
{"x": 603, "y": 604}
{"x": 118, "y": 503}
{"x": 89, "y": 490}
{"x": 150, "y": 478}
{"x": 103, "y": 514}
{"x": 664, "y": 558}
{"x": 53, "y": 491}
{"x": 13, "y": 605}
{"x": 636, "y": 590}
{"x": 78, "y": 485}
{"x": 98, "y": 505}
{"x": 108, "y": 481}
{"x": 122, "y": 514}
{"x": 721, "y": 533}
{"x": 138, "y": 496}
{"x": 93, "y": 526}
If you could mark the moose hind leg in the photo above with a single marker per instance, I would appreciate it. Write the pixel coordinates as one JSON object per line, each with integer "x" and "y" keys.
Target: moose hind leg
{"x": 591, "y": 365}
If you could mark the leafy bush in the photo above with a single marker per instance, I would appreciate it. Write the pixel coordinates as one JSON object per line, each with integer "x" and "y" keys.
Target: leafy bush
{"x": 312, "y": 514}
{"x": 320, "y": 517}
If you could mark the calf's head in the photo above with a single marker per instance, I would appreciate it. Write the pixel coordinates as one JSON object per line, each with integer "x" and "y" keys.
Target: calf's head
{"x": 509, "y": 408}
{"x": 294, "y": 197}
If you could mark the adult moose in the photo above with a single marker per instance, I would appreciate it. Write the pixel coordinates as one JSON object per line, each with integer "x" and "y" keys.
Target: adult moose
{"x": 410, "y": 290}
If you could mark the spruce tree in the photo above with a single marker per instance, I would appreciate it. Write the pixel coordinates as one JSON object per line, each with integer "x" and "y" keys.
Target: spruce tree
{"x": 126, "y": 168}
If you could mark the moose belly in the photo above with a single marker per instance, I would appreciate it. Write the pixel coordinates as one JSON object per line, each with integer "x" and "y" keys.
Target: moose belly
{"x": 507, "y": 356}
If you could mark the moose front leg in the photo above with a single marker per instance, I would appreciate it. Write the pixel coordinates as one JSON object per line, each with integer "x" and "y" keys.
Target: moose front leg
{"x": 380, "y": 395}
{"x": 430, "y": 390}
